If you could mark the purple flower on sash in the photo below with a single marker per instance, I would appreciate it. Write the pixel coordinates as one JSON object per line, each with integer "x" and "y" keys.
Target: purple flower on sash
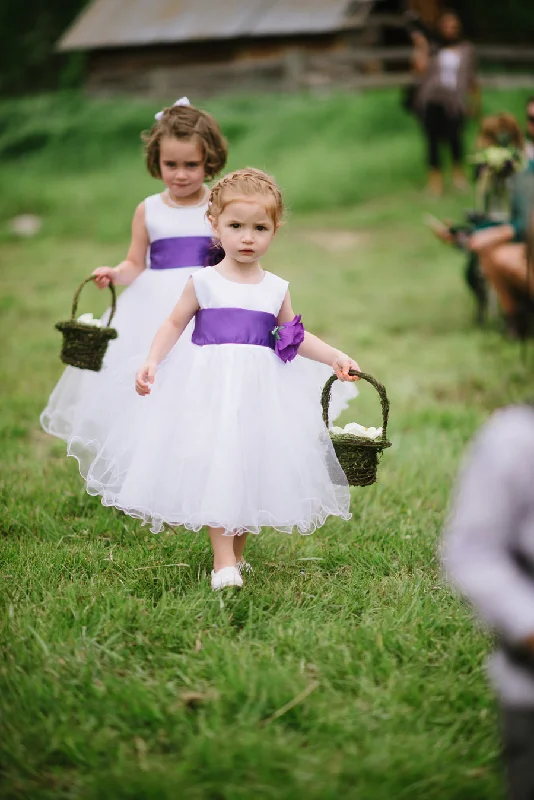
{"x": 288, "y": 338}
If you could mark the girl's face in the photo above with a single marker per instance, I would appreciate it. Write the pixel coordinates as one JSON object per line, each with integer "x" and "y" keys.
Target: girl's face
{"x": 245, "y": 229}
{"x": 181, "y": 163}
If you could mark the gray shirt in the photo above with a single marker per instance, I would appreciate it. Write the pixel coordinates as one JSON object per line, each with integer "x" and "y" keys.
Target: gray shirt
{"x": 445, "y": 85}
{"x": 491, "y": 519}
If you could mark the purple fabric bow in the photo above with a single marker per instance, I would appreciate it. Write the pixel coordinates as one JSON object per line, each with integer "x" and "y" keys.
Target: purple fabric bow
{"x": 214, "y": 255}
{"x": 288, "y": 338}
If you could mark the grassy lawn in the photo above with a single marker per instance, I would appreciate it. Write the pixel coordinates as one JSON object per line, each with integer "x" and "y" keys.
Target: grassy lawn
{"x": 345, "y": 668}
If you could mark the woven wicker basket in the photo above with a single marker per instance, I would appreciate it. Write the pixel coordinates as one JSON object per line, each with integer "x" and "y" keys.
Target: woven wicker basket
{"x": 357, "y": 455}
{"x": 84, "y": 345}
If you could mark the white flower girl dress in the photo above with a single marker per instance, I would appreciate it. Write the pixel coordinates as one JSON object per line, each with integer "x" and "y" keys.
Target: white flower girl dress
{"x": 230, "y": 436}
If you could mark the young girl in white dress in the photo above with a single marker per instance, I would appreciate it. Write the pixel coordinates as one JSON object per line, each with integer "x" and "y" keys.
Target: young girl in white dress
{"x": 171, "y": 239}
{"x": 233, "y": 439}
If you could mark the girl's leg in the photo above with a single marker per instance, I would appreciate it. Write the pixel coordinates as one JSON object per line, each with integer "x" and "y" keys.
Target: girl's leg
{"x": 239, "y": 546}
{"x": 223, "y": 549}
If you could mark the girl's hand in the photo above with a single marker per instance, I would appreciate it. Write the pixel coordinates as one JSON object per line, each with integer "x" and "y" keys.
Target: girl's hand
{"x": 341, "y": 366}
{"x": 144, "y": 377}
{"x": 104, "y": 276}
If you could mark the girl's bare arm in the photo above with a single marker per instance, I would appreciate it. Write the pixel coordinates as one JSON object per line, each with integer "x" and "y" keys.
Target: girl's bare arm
{"x": 166, "y": 337}
{"x": 315, "y": 349}
{"x": 127, "y": 271}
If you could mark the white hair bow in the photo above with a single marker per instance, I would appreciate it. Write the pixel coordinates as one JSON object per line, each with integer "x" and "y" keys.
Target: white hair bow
{"x": 183, "y": 101}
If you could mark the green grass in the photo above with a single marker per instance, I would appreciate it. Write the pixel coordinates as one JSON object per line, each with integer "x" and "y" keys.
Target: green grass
{"x": 122, "y": 675}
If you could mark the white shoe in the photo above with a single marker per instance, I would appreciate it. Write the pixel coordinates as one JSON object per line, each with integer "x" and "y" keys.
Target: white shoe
{"x": 244, "y": 566}
{"x": 227, "y": 576}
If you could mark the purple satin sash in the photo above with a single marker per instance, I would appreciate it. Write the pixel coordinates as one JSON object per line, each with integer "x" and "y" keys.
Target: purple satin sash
{"x": 184, "y": 251}
{"x": 234, "y": 326}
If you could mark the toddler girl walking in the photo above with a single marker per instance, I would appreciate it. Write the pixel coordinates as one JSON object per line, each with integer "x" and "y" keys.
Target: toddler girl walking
{"x": 233, "y": 440}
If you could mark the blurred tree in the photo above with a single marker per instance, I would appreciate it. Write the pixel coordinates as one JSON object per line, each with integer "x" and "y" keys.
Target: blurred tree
{"x": 508, "y": 22}
{"x": 29, "y": 31}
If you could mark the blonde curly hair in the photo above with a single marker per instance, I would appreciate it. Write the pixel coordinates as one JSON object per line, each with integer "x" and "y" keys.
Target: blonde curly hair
{"x": 187, "y": 122}
{"x": 245, "y": 183}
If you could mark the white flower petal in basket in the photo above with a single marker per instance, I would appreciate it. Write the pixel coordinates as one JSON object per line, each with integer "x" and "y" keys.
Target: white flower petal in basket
{"x": 88, "y": 319}
{"x": 374, "y": 433}
{"x": 355, "y": 429}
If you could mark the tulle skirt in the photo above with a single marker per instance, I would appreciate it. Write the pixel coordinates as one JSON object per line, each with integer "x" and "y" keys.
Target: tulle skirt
{"x": 94, "y": 412}
{"x": 229, "y": 437}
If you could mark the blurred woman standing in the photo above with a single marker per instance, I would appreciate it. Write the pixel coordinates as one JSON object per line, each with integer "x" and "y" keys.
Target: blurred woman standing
{"x": 445, "y": 68}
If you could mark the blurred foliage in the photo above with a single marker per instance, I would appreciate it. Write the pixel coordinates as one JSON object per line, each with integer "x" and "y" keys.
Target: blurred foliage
{"x": 29, "y": 33}
{"x": 57, "y": 152}
{"x": 508, "y": 22}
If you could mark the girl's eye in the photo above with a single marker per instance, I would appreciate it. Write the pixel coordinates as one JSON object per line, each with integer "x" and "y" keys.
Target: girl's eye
{"x": 234, "y": 225}
{"x": 261, "y": 227}
{"x": 192, "y": 164}
{"x": 170, "y": 164}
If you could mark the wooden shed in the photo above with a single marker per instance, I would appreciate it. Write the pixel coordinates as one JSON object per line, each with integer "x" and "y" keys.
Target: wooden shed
{"x": 166, "y": 47}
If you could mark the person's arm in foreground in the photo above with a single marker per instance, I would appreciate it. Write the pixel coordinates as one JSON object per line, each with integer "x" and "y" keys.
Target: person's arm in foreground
{"x": 492, "y": 495}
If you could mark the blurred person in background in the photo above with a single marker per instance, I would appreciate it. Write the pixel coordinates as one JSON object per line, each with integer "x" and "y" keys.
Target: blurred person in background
{"x": 444, "y": 67}
{"x": 505, "y": 250}
{"x": 506, "y": 255}
{"x": 488, "y": 553}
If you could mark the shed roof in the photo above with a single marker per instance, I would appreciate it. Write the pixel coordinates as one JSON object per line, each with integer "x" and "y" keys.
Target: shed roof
{"x": 123, "y": 23}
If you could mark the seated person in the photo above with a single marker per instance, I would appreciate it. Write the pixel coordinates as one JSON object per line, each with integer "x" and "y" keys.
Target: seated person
{"x": 506, "y": 254}
{"x": 503, "y": 250}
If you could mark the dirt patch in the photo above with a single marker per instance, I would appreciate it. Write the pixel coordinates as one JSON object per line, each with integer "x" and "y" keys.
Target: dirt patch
{"x": 41, "y": 443}
{"x": 335, "y": 241}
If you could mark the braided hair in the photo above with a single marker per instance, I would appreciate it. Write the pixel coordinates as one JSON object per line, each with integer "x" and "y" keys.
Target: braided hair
{"x": 248, "y": 182}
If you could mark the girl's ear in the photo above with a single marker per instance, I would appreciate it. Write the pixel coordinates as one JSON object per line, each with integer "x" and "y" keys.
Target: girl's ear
{"x": 213, "y": 224}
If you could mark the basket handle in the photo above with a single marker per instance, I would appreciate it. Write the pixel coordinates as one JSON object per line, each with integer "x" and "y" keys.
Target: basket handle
{"x": 77, "y": 297}
{"x": 384, "y": 402}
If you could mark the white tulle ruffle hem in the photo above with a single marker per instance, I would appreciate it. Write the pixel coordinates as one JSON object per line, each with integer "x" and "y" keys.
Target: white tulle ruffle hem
{"x": 230, "y": 437}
